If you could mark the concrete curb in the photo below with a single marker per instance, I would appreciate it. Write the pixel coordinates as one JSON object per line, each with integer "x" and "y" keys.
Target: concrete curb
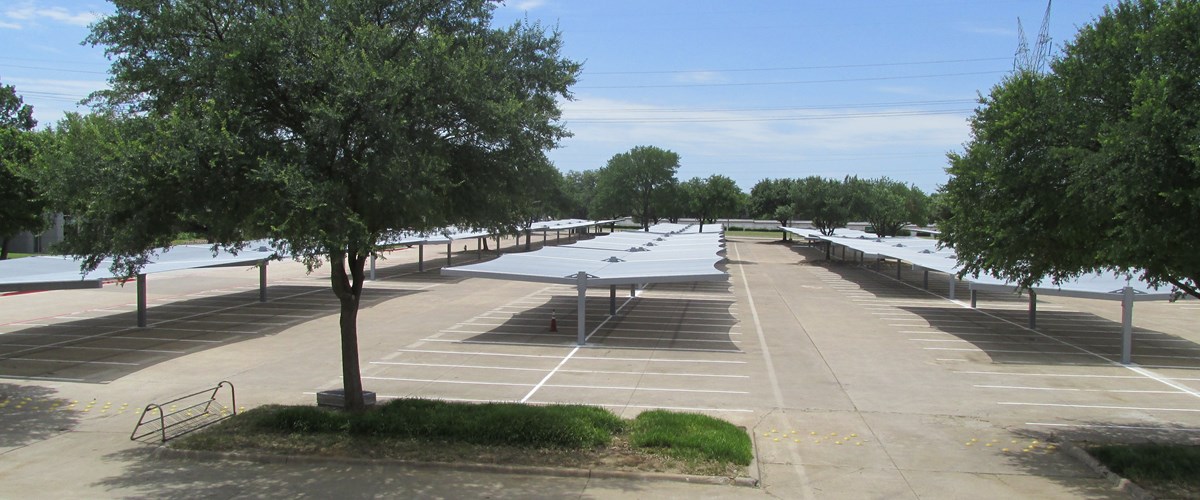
{"x": 162, "y": 452}
{"x": 1120, "y": 483}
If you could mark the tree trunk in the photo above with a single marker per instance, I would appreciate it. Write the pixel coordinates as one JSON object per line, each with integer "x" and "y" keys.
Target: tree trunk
{"x": 347, "y": 285}
{"x": 528, "y": 238}
{"x": 4, "y": 248}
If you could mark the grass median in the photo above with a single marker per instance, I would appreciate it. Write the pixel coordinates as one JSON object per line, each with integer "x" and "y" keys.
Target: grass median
{"x": 493, "y": 433}
{"x": 1167, "y": 471}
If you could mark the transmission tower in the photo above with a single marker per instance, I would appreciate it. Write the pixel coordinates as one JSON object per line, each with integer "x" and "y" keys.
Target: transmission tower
{"x": 1035, "y": 60}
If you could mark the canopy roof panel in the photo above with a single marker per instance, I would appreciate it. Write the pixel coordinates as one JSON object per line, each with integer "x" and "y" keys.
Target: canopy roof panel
{"x": 632, "y": 257}
{"x": 58, "y": 272}
{"x": 924, "y": 253}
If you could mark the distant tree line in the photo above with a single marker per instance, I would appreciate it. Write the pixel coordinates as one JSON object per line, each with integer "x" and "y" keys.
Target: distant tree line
{"x": 886, "y": 205}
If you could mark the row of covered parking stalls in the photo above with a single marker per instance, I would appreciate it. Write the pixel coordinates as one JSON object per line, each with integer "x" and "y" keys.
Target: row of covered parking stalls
{"x": 926, "y": 255}
{"x": 46, "y": 272}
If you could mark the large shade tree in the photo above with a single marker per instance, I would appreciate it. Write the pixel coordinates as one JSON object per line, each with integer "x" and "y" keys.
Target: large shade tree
{"x": 638, "y": 182}
{"x": 323, "y": 125}
{"x": 774, "y": 199}
{"x": 711, "y": 198}
{"x": 887, "y": 204}
{"x": 828, "y": 203}
{"x": 21, "y": 204}
{"x": 1094, "y": 165}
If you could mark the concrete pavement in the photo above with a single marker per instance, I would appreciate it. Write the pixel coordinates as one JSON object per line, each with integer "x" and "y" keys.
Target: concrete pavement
{"x": 852, "y": 383}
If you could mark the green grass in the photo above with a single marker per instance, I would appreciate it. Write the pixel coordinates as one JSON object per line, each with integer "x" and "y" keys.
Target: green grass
{"x": 16, "y": 255}
{"x": 691, "y": 436}
{"x": 427, "y": 430}
{"x": 507, "y": 424}
{"x": 1167, "y": 470}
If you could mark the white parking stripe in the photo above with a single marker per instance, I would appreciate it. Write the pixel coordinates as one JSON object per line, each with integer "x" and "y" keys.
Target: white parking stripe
{"x": 1102, "y": 407}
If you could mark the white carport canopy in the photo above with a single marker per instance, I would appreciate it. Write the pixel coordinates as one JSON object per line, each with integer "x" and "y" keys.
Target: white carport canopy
{"x": 923, "y": 253}
{"x": 448, "y": 235}
{"x": 623, "y": 258}
{"x": 59, "y": 273}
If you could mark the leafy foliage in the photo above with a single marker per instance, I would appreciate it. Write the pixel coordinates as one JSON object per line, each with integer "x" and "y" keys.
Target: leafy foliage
{"x": 1093, "y": 166}
{"x": 639, "y": 182}
{"x": 21, "y": 205}
{"x": 324, "y": 125}
{"x": 711, "y": 198}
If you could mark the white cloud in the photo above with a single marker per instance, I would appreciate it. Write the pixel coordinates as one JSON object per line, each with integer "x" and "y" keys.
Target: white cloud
{"x": 527, "y": 5}
{"x": 30, "y": 14}
{"x": 904, "y": 142}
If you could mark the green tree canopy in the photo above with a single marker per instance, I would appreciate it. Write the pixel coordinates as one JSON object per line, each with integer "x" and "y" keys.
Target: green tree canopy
{"x": 1093, "y": 166}
{"x": 889, "y": 204}
{"x": 579, "y": 189}
{"x": 324, "y": 125}
{"x": 774, "y": 199}
{"x": 711, "y": 198}
{"x": 21, "y": 205}
{"x": 828, "y": 203}
{"x": 638, "y": 183}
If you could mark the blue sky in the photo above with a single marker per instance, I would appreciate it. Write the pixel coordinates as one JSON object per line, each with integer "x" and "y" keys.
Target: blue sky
{"x": 747, "y": 89}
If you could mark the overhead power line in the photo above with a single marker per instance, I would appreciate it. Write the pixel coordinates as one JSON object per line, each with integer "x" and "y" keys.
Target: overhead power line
{"x": 888, "y": 114}
{"x": 791, "y": 82}
{"x": 781, "y": 108}
{"x": 793, "y": 68}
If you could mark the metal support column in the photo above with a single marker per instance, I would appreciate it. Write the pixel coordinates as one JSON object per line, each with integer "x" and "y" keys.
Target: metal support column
{"x": 372, "y": 267}
{"x": 925, "y": 280}
{"x": 141, "y": 300}
{"x": 828, "y": 249}
{"x": 497, "y": 244}
{"x": 612, "y": 300}
{"x": 262, "y": 281}
{"x": 420, "y": 257}
{"x": 1032, "y": 309}
{"x": 478, "y": 248}
{"x": 974, "y": 299}
{"x": 581, "y": 307}
{"x": 898, "y": 278}
{"x": 952, "y": 280}
{"x": 449, "y": 251}
{"x": 1127, "y": 326}
{"x": 633, "y": 290}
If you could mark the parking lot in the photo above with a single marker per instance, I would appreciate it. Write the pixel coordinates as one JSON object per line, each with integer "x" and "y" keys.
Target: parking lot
{"x": 853, "y": 383}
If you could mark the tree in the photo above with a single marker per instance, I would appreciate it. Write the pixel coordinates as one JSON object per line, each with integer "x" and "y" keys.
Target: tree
{"x": 21, "y": 206}
{"x": 324, "y": 125}
{"x": 1131, "y": 103}
{"x": 826, "y": 202}
{"x": 637, "y": 182}
{"x": 888, "y": 205}
{"x": 773, "y": 199}
{"x": 711, "y": 198}
{"x": 579, "y": 188}
{"x": 1093, "y": 166}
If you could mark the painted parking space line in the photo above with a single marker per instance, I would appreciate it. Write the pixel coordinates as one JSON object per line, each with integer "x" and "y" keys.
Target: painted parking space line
{"x": 1074, "y": 389}
{"x": 656, "y": 407}
{"x": 1123, "y": 427}
{"x": 1100, "y": 407}
{"x": 444, "y": 381}
{"x": 641, "y": 388}
{"x": 565, "y": 370}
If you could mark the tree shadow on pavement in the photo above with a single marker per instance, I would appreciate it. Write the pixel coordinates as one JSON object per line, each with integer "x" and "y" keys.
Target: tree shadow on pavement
{"x": 104, "y": 348}
{"x": 32, "y": 413}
